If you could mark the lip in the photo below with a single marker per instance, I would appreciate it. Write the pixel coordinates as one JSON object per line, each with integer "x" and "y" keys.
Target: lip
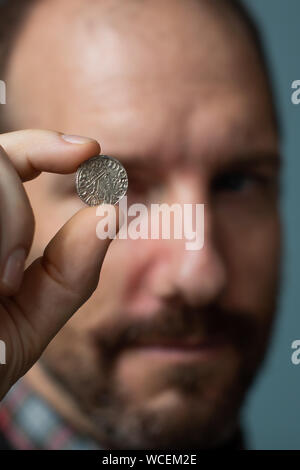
{"x": 182, "y": 343}
{"x": 180, "y": 348}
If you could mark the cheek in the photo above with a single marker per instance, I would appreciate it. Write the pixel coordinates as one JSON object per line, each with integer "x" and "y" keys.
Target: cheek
{"x": 123, "y": 288}
{"x": 131, "y": 267}
{"x": 123, "y": 272}
{"x": 252, "y": 252}
{"x": 109, "y": 301}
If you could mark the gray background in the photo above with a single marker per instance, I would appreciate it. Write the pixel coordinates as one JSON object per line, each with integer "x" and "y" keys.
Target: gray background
{"x": 272, "y": 411}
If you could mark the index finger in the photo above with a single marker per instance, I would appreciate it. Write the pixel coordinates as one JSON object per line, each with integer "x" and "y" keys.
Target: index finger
{"x": 32, "y": 151}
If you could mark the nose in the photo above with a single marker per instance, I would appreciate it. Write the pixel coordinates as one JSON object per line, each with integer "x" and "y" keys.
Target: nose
{"x": 198, "y": 277}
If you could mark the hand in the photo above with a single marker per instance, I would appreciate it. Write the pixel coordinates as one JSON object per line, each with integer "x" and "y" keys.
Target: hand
{"x": 35, "y": 304}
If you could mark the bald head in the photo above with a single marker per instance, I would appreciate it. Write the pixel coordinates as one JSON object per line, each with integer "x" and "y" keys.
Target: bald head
{"x": 118, "y": 42}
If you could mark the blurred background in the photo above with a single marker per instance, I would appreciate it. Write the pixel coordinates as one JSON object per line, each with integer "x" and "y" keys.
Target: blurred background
{"x": 272, "y": 412}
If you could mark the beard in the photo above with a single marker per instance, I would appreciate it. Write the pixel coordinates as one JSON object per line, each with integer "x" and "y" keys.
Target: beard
{"x": 184, "y": 405}
{"x": 188, "y": 407}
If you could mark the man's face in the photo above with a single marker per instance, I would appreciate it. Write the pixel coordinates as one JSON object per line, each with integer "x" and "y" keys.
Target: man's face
{"x": 177, "y": 95}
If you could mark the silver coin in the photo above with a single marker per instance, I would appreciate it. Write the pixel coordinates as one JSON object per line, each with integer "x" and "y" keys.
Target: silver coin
{"x": 101, "y": 180}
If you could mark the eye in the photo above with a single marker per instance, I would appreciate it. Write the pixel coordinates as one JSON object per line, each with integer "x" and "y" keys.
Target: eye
{"x": 234, "y": 181}
{"x": 145, "y": 188}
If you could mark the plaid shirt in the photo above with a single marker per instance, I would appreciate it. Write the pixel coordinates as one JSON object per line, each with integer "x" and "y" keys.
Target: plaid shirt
{"x": 27, "y": 422}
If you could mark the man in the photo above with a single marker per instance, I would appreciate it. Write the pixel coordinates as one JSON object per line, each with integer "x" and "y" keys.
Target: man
{"x": 162, "y": 353}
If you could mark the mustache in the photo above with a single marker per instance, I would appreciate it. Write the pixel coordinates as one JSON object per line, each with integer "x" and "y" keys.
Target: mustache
{"x": 214, "y": 323}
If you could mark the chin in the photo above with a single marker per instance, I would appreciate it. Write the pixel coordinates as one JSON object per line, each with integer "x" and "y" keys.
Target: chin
{"x": 170, "y": 419}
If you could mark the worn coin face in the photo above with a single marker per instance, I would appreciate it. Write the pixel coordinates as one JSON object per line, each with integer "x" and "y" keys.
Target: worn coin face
{"x": 101, "y": 180}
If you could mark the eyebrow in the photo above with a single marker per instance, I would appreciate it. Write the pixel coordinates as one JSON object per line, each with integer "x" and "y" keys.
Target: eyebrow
{"x": 259, "y": 158}
{"x": 136, "y": 163}
{"x": 273, "y": 159}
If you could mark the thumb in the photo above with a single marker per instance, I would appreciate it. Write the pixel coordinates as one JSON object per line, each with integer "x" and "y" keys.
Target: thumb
{"x": 59, "y": 282}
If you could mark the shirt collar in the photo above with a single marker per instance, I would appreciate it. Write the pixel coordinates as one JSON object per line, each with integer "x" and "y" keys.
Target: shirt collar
{"x": 27, "y": 421}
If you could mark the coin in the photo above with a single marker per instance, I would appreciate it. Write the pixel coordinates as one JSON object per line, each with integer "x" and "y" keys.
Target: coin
{"x": 101, "y": 180}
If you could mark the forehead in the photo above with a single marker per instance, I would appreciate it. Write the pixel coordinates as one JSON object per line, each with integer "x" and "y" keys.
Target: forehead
{"x": 156, "y": 76}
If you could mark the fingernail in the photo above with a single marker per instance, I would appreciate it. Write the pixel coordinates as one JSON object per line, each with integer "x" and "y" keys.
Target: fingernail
{"x": 14, "y": 268}
{"x": 77, "y": 139}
